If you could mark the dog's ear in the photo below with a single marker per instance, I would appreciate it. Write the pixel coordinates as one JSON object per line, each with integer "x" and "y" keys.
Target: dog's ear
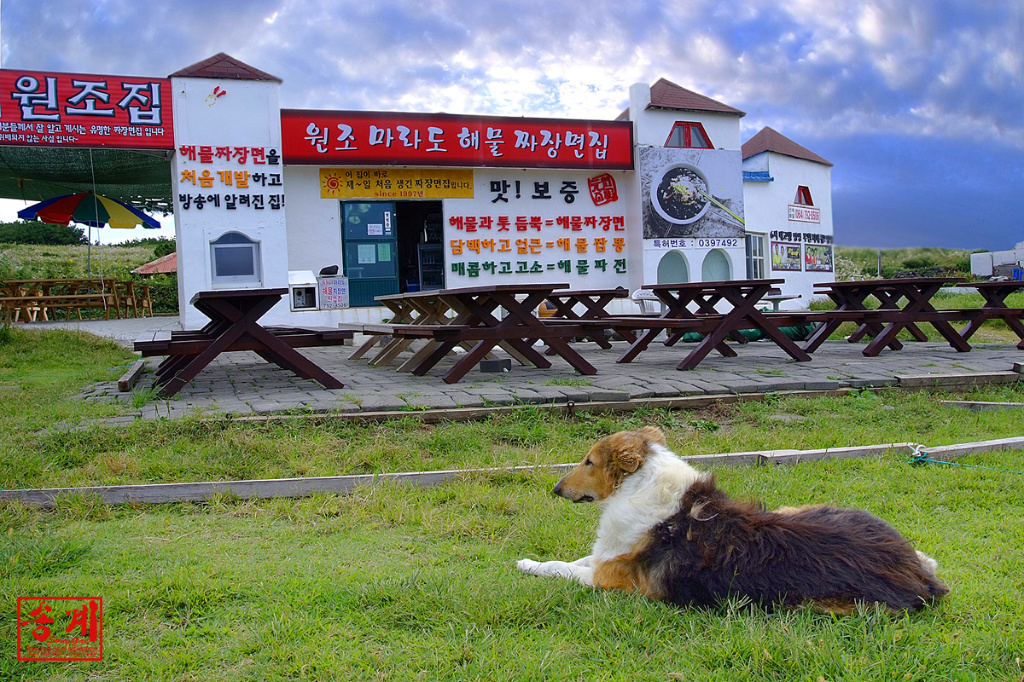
{"x": 652, "y": 434}
{"x": 631, "y": 451}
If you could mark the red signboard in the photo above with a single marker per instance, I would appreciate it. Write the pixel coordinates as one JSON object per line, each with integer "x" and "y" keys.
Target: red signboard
{"x": 369, "y": 138}
{"x": 75, "y": 110}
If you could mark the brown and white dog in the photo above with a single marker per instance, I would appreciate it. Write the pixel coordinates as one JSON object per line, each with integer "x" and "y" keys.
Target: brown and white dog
{"x": 667, "y": 532}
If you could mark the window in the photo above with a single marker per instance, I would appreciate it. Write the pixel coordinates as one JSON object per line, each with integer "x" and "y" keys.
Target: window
{"x": 236, "y": 260}
{"x": 755, "y": 256}
{"x": 803, "y": 196}
{"x": 689, "y": 135}
{"x": 715, "y": 267}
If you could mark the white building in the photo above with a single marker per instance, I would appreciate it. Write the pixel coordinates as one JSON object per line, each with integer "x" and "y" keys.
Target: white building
{"x": 788, "y": 192}
{"x": 342, "y": 206}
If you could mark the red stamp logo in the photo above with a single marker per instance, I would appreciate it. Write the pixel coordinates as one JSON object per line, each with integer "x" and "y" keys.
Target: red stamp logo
{"x": 60, "y": 628}
{"x": 602, "y": 189}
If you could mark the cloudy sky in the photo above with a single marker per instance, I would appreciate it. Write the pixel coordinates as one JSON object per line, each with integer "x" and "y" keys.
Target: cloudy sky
{"x": 918, "y": 103}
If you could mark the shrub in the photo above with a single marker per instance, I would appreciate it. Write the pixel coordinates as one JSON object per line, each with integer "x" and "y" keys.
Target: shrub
{"x": 163, "y": 292}
{"x": 164, "y": 247}
{"x": 33, "y": 232}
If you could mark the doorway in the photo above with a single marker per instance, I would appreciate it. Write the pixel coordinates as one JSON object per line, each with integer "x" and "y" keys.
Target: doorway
{"x": 390, "y": 247}
{"x": 715, "y": 267}
{"x": 420, "y": 245}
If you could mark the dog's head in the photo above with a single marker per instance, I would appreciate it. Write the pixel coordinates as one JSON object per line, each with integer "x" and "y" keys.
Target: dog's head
{"x": 608, "y": 463}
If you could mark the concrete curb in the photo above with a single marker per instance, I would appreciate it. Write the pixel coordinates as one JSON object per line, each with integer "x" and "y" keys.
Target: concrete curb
{"x": 163, "y": 493}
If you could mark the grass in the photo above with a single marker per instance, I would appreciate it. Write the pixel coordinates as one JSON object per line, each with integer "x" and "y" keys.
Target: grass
{"x": 398, "y": 583}
{"x": 23, "y": 261}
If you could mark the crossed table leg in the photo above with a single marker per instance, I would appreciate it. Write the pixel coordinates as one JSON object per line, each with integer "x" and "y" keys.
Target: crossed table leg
{"x": 514, "y": 331}
{"x": 233, "y": 323}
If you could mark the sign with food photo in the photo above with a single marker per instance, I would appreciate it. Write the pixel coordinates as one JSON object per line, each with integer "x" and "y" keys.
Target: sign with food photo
{"x": 691, "y": 193}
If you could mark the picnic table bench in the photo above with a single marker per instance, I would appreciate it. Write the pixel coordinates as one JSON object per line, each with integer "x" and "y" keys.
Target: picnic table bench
{"x": 34, "y": 306}
{"x": 234, "y": 326}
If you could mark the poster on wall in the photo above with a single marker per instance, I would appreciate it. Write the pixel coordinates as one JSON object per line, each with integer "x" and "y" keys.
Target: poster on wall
{"x": 785, "y": 256}
{"x": 547, "y": 226}
{"x": 396, "y": 183}
{"x": 691, "y": 193}
{"x": 818, "y": 258}
{"x": 333, "y": 292}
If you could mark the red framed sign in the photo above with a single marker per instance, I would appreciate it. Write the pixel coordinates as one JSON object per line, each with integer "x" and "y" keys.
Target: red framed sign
{"x": 371, "y": 138}
{"x": 77, "y": 110}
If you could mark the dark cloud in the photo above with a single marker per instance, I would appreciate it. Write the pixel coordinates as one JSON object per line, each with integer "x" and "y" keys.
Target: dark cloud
{"x": 905, "y": 97}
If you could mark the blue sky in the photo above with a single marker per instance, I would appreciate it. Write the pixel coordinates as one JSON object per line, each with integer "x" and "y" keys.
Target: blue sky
{"x": 919, "y": 104}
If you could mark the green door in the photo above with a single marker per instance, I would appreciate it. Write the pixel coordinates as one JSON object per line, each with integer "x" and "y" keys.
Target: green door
{"x": 370, "y": 246}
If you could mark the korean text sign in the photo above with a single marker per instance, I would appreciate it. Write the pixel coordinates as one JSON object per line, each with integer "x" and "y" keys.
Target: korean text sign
{"x": 369, "y": 138}
{"x": 77, "y": 110}
{"x": 60, "y": 629}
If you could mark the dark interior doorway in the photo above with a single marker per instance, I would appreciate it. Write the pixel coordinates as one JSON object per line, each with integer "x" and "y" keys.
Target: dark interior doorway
{"x": 420, "y": 247}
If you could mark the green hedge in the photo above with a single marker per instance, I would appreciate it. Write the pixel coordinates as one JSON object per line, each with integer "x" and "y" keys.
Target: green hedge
{"x": 34, "y": 232}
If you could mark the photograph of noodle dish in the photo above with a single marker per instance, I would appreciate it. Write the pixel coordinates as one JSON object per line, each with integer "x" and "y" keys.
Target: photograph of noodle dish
{"x": 682, "y": 195}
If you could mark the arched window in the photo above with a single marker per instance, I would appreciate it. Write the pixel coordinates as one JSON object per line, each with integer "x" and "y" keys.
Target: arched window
{"x": 236, "y": 260}
{"x": 716, "y": 267}
{"x": 690, "y": 135}
{"x": 672, "y": 269}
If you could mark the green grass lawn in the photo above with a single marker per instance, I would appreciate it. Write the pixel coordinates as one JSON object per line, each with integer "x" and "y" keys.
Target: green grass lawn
{"x": 399, "y": 583}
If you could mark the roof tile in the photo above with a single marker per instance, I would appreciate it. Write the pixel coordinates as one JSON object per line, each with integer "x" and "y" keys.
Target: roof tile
{"x": 768, "y": 140}
{"x": 667, "y": 95}
{"x": 224, "y": 66}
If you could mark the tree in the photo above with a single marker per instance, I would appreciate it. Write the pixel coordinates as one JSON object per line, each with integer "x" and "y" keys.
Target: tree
{"x": 33, "y": 232}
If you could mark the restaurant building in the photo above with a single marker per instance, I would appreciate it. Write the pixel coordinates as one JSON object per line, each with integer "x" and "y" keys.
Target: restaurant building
{"x": 343, "y": 206}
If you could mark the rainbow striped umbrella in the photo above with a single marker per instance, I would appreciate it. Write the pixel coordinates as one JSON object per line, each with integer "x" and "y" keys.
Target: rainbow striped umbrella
{"x": 89, "y": 209}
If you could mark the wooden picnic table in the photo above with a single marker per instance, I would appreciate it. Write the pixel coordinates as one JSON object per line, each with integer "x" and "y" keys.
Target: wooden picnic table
{"x": 903, "y": 304}
{"x": 233, "y": 326}
{"x": 594, "y": 306}
{"x": 486, "y": 317}
{"x": 40, "y": 295}
{"x": 416, "y": 308}
{"x": 677, "y": 318}
{"x": 995, "y": 308}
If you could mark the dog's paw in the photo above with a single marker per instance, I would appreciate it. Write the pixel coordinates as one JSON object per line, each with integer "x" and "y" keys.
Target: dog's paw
{"x": 529, "y": 566}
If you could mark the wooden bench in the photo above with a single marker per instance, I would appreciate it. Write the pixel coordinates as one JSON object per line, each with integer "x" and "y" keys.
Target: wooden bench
{"x": 189, "y": 351}
{"x": 458, "y": 332}
{"x": 33, "y": 306}
{"x": 167, "y": 342}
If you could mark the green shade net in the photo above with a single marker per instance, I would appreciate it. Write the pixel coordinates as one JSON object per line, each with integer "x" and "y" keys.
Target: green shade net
{"x": 139, "y": 178}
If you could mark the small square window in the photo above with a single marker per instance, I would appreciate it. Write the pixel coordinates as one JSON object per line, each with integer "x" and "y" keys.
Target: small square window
{"x": 236, "y": 260}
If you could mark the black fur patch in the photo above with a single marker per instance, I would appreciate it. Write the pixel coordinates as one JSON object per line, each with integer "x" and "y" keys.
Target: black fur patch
{"x": 714, "y": 548}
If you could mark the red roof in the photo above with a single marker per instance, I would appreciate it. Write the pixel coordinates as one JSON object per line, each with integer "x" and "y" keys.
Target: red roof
{"x": 224, "y": 66}
{"x": 161, "y": 266}
{"x": 667, "y": 95}
{"x": 768, "y": 140}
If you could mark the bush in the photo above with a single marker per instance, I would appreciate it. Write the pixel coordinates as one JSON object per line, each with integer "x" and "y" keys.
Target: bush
{"x": 164, "y": 293}
{"x": 164, "y": 247}
{"x": 33, "y": 232}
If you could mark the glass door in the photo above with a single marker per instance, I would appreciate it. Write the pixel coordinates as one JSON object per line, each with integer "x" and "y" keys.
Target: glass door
{"x": 370, "y": 250}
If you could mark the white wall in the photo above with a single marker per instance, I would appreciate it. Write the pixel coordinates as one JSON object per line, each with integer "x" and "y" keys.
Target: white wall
{"x": 767, "y": 210}
{"x": 652, "y": 126}
{"x": 247, "y": 116}
{"x": 554, "y": 243}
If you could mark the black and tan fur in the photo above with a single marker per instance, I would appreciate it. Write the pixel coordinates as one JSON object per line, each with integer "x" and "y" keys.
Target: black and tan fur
{"x": 674, "y": 535}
